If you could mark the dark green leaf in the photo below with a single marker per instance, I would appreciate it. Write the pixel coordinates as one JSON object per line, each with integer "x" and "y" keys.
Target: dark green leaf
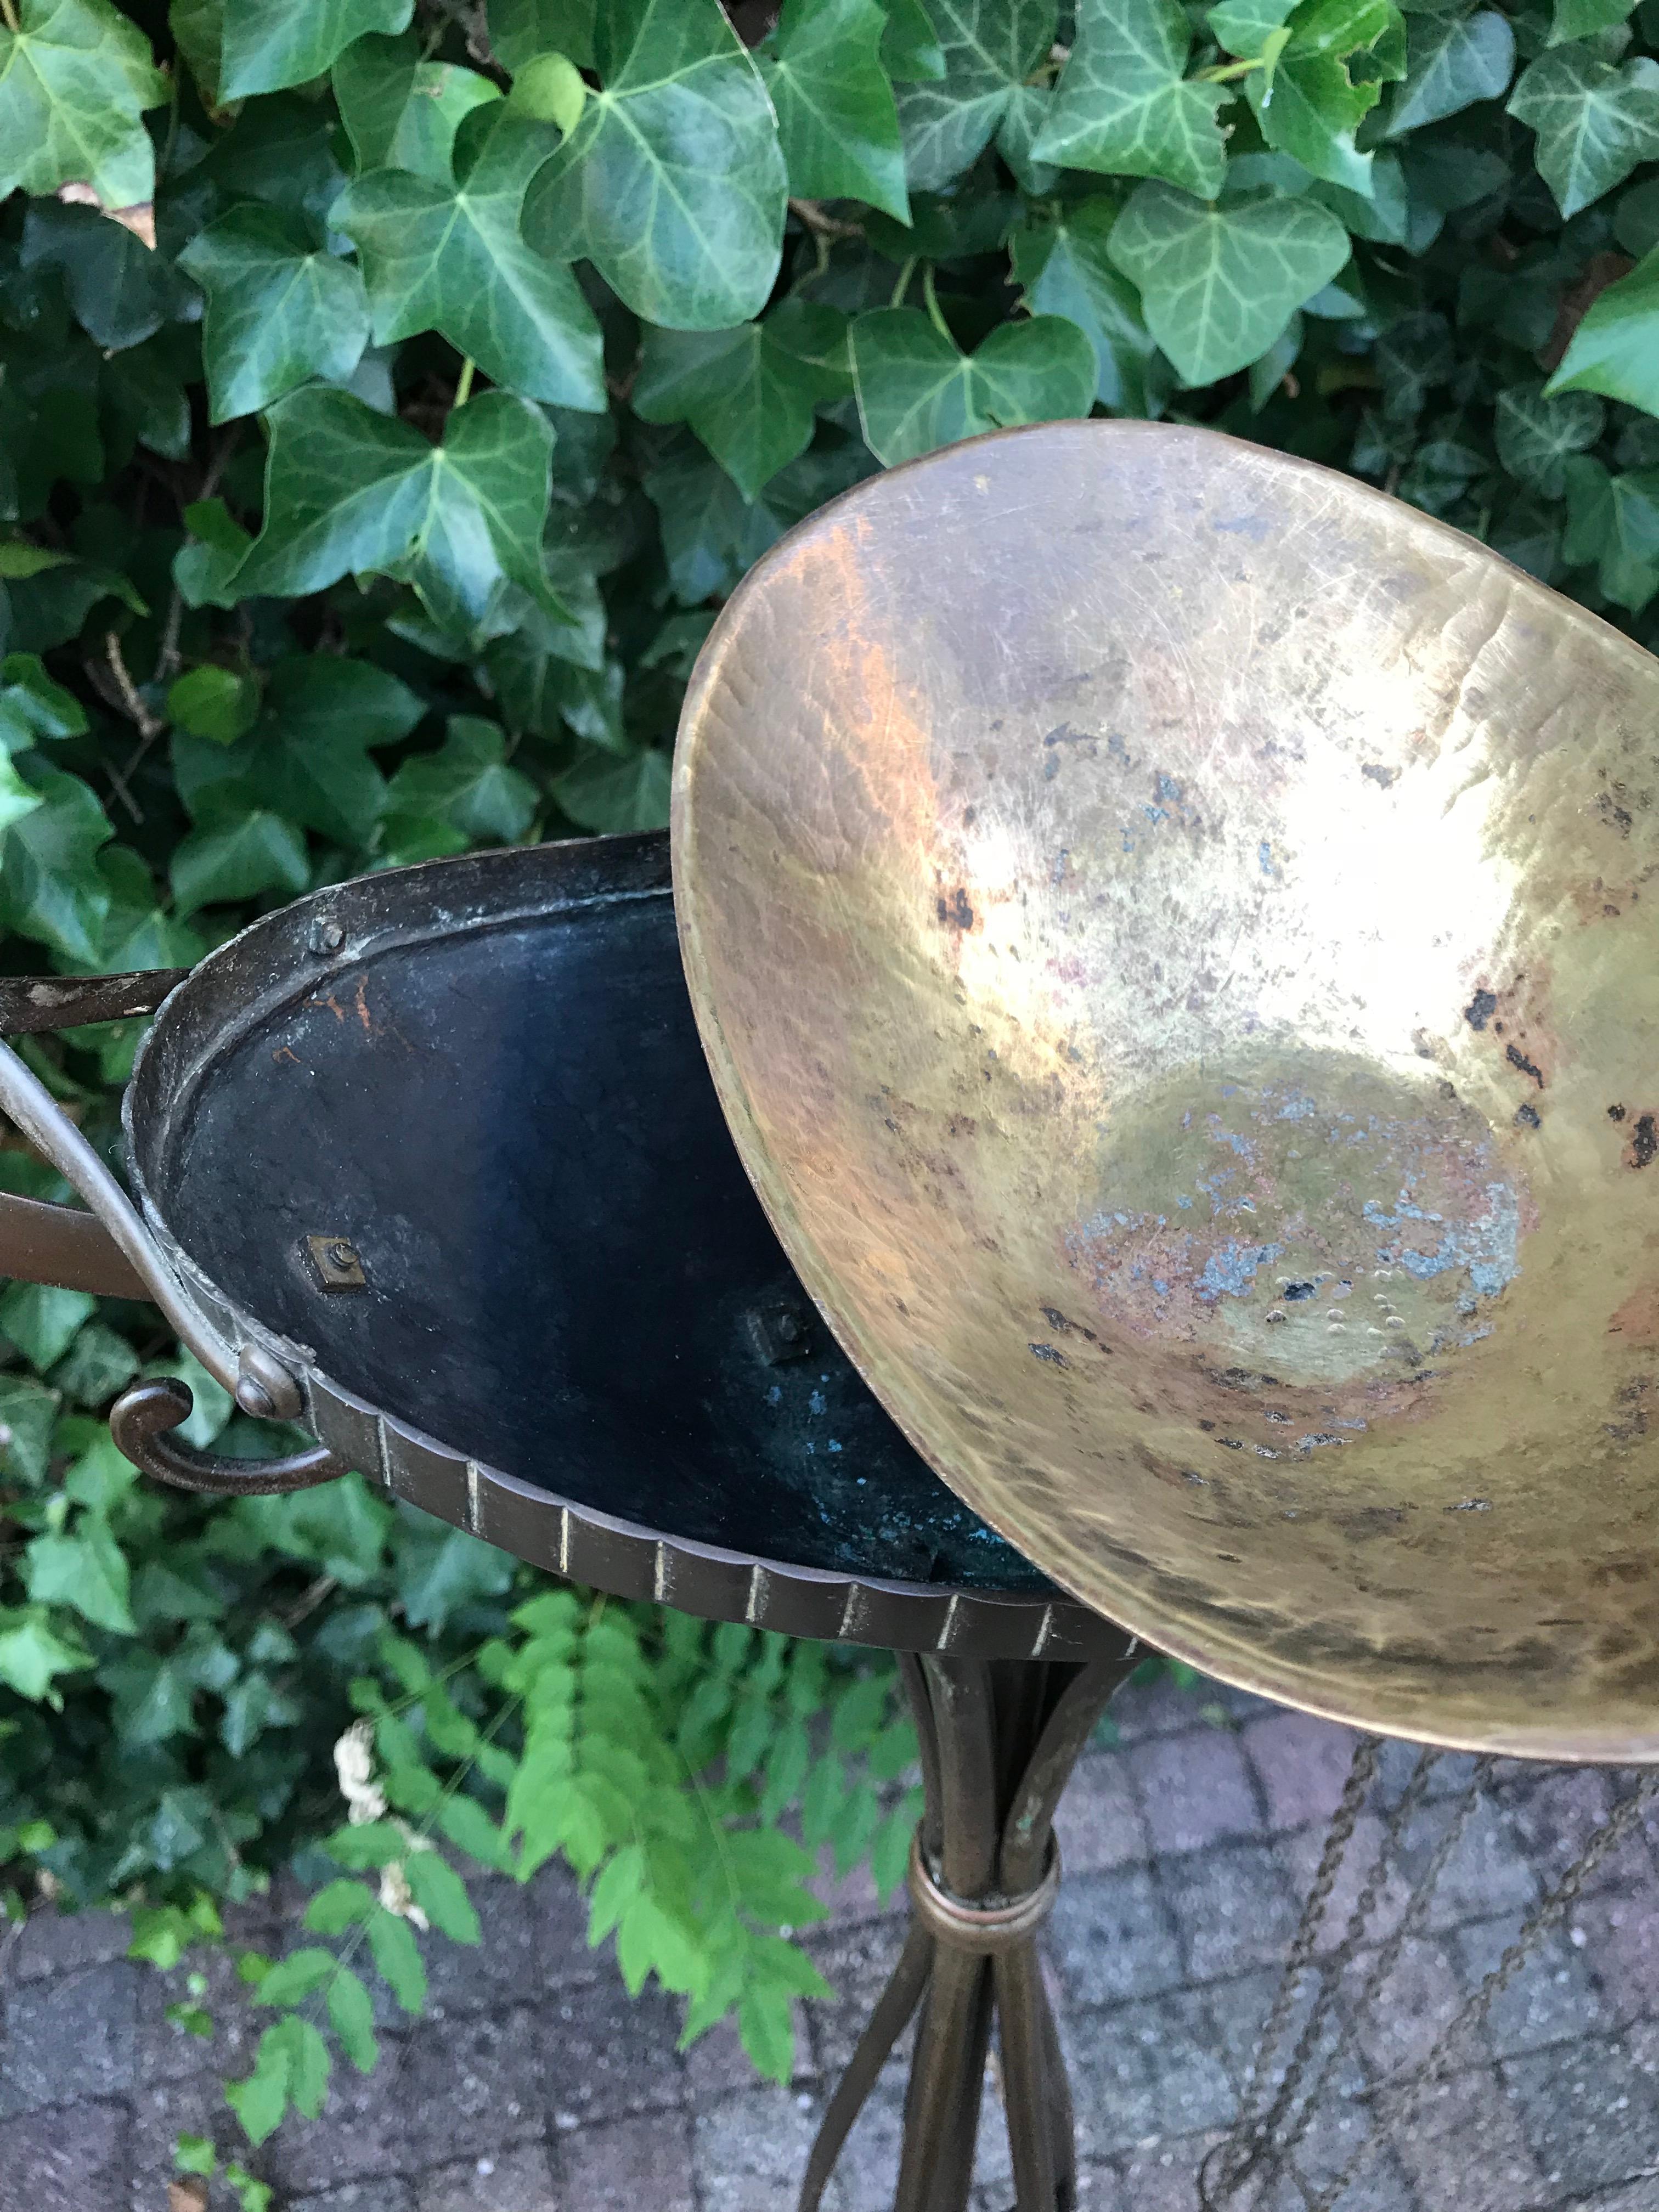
{"x": 449, "y": 256}
{"x": 440, "y": 1570}
{"x": 1595, "y": 123}
{"x": 1583, "y": 19}
{"x": 837, "y": 122}
{"x": 1218, "y": 284}
{"x": 910, "y": 50}
{"x": 279, "y": 310}
{"x": 74, "y": 79}
{"x": 269, "y": 44}
{"x": 347, "y": 490}
{"x": 50, "y": 886}
{"x": 468, "y": 786}
{"x": 1124, "y": 106}
{"x": 519, "y": 30}
{"x": 917, "y": 391}
{"x": 42, "y": 1320}
{"x": 87, "y": 1571}
{"x": 1615, "y": 348}
{"x": 749, "y": 392}
{"x": 1612, "y": 525}
{"x": 27, "y": 1413}
{"x": 1452, "y": 61}
{"x": 121, "y": 290}
{"x": 673, "y": 183}
{"x": 402, "y": 113}
{"x": 601, "y": 792}
{"x": 1535, "y": 436}
{"x": 1067, "y": 269}
{"x": 989, "y": 48}
{"x": 258, "y": 852}
{"x": 203, "y": 567}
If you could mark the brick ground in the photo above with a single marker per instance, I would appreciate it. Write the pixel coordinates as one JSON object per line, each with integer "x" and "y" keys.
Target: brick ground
{"x": 533, "y": 2084}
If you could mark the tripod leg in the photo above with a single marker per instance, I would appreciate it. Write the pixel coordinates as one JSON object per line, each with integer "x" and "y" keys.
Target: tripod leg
{"x": 886, "y": 2023}
{"x": 1021, "y": 2010}
{"x": 941, "y": 2111}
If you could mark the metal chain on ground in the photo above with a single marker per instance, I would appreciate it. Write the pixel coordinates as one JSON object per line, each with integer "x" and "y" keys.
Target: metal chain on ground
{"x": 1251, "y": 2139}
{"x": 1249, "y": 2132}
{"x": 1401, "y": 2091}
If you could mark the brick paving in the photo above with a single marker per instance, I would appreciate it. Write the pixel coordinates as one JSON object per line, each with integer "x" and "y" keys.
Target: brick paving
{"x": 533, "y": 2084}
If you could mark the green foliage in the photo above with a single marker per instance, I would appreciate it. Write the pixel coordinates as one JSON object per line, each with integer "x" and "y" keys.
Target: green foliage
{"x": 391, "y": 391}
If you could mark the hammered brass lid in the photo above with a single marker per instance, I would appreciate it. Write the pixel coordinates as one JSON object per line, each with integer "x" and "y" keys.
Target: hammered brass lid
{"x": 1176, "y": 935}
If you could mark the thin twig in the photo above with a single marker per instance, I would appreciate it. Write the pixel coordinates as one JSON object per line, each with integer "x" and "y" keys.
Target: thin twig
{"x": 9, "y": 13}
{"x": 812, "y": 215}
{"x": 149, "y": 726}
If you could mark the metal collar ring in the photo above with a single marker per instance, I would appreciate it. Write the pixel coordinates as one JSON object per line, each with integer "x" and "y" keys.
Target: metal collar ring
{"x": 985, "y": 1930}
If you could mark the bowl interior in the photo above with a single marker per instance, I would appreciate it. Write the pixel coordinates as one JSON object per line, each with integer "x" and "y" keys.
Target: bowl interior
{"x": 1205, "y": 1053}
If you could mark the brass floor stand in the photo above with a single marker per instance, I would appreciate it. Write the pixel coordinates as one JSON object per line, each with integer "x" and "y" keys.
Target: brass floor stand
{"x": 999, "y": 1740}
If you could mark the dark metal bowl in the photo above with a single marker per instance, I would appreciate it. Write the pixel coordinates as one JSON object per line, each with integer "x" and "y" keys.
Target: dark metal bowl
{"x": 445, "y": 1139}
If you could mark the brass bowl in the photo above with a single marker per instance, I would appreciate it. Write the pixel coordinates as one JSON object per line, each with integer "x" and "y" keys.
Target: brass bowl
{"x": 1176, "y": 935}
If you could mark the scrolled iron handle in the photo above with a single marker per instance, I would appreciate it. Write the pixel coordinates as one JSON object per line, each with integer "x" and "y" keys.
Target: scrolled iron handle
{"x": 141, "y": 1421}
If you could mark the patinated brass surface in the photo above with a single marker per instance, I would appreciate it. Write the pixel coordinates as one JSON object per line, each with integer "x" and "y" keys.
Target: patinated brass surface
{"x": 1177, "y": 933}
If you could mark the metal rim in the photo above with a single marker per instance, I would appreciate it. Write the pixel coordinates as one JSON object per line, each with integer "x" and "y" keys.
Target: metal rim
{"x": 283, "y": 956}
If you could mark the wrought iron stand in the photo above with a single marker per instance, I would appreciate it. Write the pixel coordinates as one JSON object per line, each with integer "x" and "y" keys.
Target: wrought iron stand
{"x": 999, "y": 1740}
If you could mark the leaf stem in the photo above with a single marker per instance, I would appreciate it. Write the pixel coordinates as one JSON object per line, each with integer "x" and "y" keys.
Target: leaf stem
{"x": 935, "y": 312}
{"x": 899, "y": 289}
{"x": 1225, "y": 72}
{"x": 10, "y": 12}
{"x": 463, "y": 383}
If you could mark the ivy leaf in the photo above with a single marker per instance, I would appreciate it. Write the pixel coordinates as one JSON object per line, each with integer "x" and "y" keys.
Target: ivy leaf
{"x": 348, "y": 491}
{"x": 258, "y": 852}
{"x": 33, "y": 1654}
{"x": 122, "y": 291}
{"x": 989, "y": 48}
{"x": 916, "y": 391}
{"x": 214, "y": 702}
{"x": 87, "y": 1571}
{"x": 217, "y": 545}
{"x": 351, "y": 2015}
{"x": 749, "y": 392}
{"x": 449, "y": 256}
{"x": 1123, "y": 106}
{"x": 1310, "y": 105}
{"x": 1219, "y": 283}
{"x": 468, "y": 785}
{"x": 1612, "y": 525}
{"x": 911, "y": 51}
{"x": 600, "y": 792}
{"x": 278, "y": 309}
{"x": 50, "y": 886}
{"x": 1535, "y": 434}
{"x": 1066, "y": 270}
{"x": 521, "y": 31}
{"x": 673, "y": 183}
{"x": 1583, "y": 19}
{"x": 402, "y": 113}
{"x": 75, "y": 78}
{"x": 1451, "y": 61}
{"x": 837, "y": 121}
{"x": 441, "y": 1895}
{"x": 1615, "y": 348}
{"x": 1595, "y": 123}
{"x": 269, "y": 44}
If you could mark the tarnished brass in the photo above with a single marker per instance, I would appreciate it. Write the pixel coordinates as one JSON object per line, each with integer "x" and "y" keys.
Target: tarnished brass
{"x": 1177, "y": 933}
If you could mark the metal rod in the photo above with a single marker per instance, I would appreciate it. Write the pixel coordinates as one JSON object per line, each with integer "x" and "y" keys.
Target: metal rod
{"x": 891, "y": 2016}
{"x": 41, "y": 1243}
{"x": 1025, "y": 2097}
